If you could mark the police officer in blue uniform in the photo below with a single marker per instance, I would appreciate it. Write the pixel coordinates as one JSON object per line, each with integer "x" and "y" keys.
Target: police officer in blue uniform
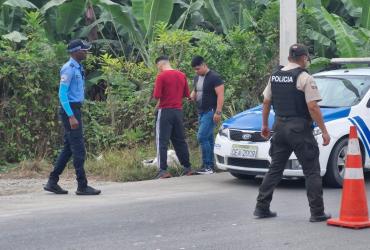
{"x": 294, "y": 95}
{"x": 71, "y": 97}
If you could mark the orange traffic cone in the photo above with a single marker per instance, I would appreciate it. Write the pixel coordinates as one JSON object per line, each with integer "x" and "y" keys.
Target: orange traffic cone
{"x": 353, "y": 211}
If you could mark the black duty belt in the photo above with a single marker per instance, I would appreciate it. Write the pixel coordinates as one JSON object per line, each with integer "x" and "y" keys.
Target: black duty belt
{"x": 75, "y": 105}
{"x": 287, "y": 118}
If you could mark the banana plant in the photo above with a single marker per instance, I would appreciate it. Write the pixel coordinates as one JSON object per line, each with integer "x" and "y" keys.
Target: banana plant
{"x": 149, "y": 12}
{"x": 192, "y": 10}
{"x": 135, "y": 21}
{"x": 230, "y": 14}
{"x": 11, "y": 13}
{"x": 337, "y": 32}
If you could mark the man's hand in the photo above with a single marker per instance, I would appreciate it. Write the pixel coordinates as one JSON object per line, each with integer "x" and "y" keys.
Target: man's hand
{"x": 265, "y": 132}
{"x": 216, "y": 118}
{"x": 193, "y": 96}
{"x": 316, "y": 115}
{"x": 156, "y": 106}
{"x": 73, "y": 122}
{"x": 325, "y": 138}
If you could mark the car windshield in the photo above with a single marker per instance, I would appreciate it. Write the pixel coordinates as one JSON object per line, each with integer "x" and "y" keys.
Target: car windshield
{"x": 342, "y": 91}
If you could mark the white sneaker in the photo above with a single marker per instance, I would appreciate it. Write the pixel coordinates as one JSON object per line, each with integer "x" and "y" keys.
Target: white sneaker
{"x": 205, "y": 171}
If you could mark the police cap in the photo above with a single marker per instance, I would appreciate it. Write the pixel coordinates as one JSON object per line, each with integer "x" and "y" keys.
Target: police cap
{"x": 78, "y": 44}
{"x": 298, "y": 50}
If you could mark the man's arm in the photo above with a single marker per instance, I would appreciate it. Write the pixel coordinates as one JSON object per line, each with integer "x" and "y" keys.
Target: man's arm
{"x": 220, "y": 102}
{"x": 193, "y": 94}
{"x": 315, "y": 113}
{"x": 157, "y": 92}
{"x": 63, "y": 99}
{"x": 265, "y": 131}
{"x": 65, "y": 81}
{"x": 186, "y": 90}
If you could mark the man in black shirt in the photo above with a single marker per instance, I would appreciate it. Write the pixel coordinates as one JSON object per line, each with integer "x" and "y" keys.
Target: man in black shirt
{"x": 208, "y": 93}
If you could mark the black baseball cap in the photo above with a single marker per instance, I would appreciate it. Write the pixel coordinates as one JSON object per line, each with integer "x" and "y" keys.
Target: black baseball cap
{"x": 78, "y": 44}
{"x": 297, "y": 50}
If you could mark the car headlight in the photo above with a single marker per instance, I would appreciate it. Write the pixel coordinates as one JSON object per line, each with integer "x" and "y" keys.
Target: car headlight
{"x": 224, "y": 132}
{"x": 317, "y": 131}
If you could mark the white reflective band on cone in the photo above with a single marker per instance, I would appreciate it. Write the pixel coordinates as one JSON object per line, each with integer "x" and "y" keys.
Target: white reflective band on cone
{"x": 353, "y": 147}
{"x": 353, "y": 174}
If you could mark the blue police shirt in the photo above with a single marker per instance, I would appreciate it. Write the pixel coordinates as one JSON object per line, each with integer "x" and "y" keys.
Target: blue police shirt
{"x": 72, "y": 84}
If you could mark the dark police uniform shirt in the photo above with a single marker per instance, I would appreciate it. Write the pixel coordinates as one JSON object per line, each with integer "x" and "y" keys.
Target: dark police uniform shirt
{"x": 305, "y": 83}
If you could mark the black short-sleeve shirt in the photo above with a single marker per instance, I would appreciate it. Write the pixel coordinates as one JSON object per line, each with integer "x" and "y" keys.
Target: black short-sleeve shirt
{"x": 206, "y": 94}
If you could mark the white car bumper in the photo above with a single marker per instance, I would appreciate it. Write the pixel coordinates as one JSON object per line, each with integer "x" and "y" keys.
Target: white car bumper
{"x": 258, "y": 165}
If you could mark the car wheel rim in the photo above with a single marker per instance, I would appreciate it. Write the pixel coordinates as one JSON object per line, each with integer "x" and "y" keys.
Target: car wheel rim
{"x": 341, "y": 161}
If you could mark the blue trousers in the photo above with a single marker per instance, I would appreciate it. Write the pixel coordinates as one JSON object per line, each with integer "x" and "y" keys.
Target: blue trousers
{"x": 206, "y": 138}
{"x": 74, "y": 147}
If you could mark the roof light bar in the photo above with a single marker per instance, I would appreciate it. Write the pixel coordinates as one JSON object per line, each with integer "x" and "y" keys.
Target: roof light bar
{"x": 360, "y": 60}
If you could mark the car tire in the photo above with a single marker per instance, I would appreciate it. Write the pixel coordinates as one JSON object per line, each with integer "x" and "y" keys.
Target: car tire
{"x": 336, "y": 164}
{"x": 242, "y": 176}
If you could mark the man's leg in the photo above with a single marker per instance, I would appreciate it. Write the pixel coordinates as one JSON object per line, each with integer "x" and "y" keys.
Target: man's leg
{"x": 79, "y": 156}
{"x": 76, "y": 139}
{"x": 178, "y": 140}
{"x": 62, "y": 160}
{"x": 211, "y": 140}
{"x": 163, "y": 133}
{"x": 308, "y": 155}
{"x": 279, "y": 153}
{"x": 205, "y": 131}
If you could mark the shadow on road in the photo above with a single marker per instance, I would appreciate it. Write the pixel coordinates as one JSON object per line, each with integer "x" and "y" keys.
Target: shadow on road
{"x": 288, "y": 183}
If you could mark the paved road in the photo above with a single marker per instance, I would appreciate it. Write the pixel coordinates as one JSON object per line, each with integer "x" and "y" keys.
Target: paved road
{"x": 198, "y": 212}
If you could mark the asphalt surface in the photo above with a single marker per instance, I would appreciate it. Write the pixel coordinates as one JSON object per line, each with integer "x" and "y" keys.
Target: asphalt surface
{"x": 197, "y": 212}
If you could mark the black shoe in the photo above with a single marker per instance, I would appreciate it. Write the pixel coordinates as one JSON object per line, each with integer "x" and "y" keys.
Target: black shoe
{"x": 260, "y": 213}
{"x": 54, "y": 188}
{"x": 319, "y": 218}
{"x": 163, "y": 174}
{"x": 188, "y": 172}
{"x": 88, "y": 191}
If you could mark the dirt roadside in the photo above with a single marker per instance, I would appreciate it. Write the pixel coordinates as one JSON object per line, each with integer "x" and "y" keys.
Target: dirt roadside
{"x": 33, "y": 185}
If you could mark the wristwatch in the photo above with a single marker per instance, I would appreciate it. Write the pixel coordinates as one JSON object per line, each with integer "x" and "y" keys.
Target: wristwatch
{"x": 218, "y": 112}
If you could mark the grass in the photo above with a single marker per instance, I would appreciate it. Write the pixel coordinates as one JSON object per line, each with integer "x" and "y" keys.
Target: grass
{"x": 126, "y": 165}
{"x": 115, "y": 165}
{"x": 6, "y": 167}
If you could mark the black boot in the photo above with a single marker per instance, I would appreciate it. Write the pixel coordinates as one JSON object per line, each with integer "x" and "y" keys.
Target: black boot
{"x": 87, "y": 191}
{"x": 319, "y": 218}
{"x": 54, "y": 188}
{"x": 264, "y": 213}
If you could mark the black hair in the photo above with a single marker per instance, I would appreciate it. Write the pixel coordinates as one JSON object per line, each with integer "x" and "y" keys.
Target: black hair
{"x": 161, "y": 58}
{"x": 197, "y": 61}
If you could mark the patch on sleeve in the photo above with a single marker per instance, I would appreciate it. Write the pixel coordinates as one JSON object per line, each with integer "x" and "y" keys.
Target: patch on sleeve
{"x": 64, "y": 78}
{"x": 313, "y": 85}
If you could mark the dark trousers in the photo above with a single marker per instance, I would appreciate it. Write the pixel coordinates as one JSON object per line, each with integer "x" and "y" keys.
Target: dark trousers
{"x": 293, "y": 135}
{"x": 169, "y": 126}
{"x": 74, "y": 146}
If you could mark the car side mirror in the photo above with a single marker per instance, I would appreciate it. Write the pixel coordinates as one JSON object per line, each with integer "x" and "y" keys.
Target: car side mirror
{"x": 368, "y": 104}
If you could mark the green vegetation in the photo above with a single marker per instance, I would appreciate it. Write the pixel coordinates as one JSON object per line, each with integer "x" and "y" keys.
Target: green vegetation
{"x": 239, "y": 39}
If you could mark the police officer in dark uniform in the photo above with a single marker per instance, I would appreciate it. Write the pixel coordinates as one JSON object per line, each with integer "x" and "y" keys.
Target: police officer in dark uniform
{"x": 294, "y": 95}
{"x": 71, "y": 96}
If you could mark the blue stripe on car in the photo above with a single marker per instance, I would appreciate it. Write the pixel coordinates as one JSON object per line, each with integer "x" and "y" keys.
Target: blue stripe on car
{"x": 330, "y": 114}
{"x": 251, "y": 119}
{"x": 363, "y": 130}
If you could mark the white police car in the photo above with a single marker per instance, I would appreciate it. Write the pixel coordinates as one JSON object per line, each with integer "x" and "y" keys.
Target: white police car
{"x": 240, "y": 149}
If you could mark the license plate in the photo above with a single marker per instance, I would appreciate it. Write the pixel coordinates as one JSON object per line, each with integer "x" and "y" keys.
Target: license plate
{"x": 244, "y": 151}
